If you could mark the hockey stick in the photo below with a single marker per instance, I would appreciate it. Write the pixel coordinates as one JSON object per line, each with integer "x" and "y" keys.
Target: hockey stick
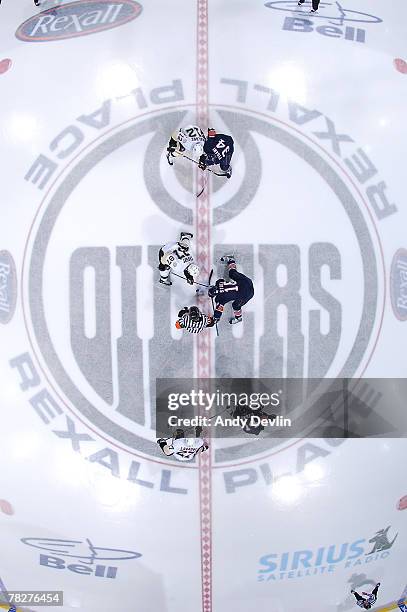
{"x": 213, "y": 307}
{"x": 217, "y": 414}
{"x": 216, "y": 323}
{"x": 197, "y": 163}
{"x": 203, "y": 188}
{"x": 183, "y": 278}
{"x": 171, "y": 163}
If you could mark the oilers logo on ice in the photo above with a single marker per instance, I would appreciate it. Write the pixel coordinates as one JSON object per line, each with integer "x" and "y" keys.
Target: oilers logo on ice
{"x": 337, "y": 20}
{"x": 100, "y": 302}
{"x": 78, "y": 19}
{"x": 325, "y": 559}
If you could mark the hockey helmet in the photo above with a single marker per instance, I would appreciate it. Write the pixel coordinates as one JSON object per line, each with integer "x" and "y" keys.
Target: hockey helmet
{"x": 194, "y": 313}
{"x": 183, "y": 246}
{"x": 182, "y": 311}
{"x": 193, "y": 270}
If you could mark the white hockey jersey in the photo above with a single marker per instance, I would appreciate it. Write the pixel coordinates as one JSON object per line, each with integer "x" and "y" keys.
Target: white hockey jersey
{"x": 185, "y": 449}
{"x": 176, "y": 258}
{"x": 190, "y": 139}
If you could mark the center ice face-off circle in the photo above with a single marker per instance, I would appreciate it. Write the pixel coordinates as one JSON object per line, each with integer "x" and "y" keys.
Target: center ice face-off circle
{"x": 96, "y": 258}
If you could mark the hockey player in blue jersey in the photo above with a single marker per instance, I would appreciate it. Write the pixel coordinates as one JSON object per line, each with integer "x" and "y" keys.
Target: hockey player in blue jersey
{"x": 366, "y": 602}
{"x": 238, "y": 290}
{"x": 218, "y": 149}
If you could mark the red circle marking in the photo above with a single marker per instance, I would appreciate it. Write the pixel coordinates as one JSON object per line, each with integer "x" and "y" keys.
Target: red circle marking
{"x": 5, "y": 64}
{"x": 400, "y": 65}
{"x": 6, "y": 507}
{"x": 402, "y": 503}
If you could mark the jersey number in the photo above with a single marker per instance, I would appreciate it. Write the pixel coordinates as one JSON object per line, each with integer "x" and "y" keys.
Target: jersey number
{"x": 194, "y": 133}
{"x": 221, "y": 145}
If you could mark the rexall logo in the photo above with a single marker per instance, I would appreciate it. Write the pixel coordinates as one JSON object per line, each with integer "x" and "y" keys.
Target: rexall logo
{"x": 398, "y": 284}
{"x": 8, "y": 287}
{"x": 336, "y": 20}
{"x": 325, "y": 559}
{"x": 78, "y": 19}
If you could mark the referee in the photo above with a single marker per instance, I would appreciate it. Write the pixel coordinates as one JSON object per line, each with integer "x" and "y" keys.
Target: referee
{"x": 315, "y": 5}
{"x": 193, "y": 320}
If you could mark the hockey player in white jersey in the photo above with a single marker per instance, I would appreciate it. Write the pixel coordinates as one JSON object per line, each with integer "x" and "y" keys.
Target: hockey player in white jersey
{"x": 176, "y": 256}
{"x": 189, "y": 139}
{"x": 182, "y": 448}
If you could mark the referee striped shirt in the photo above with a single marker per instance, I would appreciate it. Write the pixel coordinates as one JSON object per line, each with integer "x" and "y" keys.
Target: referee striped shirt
{"x": 194, "y": 327}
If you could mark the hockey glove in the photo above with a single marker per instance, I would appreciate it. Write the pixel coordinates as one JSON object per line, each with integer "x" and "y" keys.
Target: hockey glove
{"x": 202, "y": 162}
{"x": 190, "y": 279}
{"x": 162, "y": 442}
{"x": 170, "y": 155}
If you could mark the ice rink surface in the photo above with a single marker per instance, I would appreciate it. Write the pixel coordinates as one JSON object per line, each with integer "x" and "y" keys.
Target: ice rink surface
{"x": 316, "y": 214}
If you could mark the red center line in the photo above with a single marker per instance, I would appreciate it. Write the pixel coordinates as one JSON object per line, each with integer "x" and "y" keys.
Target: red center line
{"x": 203, "y": 340}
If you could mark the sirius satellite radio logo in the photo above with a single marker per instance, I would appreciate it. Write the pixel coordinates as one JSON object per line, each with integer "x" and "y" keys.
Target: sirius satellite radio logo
{"x": 325, "y": 559}
{"x": 100, "y": 326}
{"x": 78, "y": 19}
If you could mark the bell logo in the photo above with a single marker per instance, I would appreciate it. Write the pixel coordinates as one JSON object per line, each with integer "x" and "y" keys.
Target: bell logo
{"x": 83, "y": 556}
{"x": 337, "y": 21}
{"x": 295, "y": 24}
{"x": 101, "y": 571}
